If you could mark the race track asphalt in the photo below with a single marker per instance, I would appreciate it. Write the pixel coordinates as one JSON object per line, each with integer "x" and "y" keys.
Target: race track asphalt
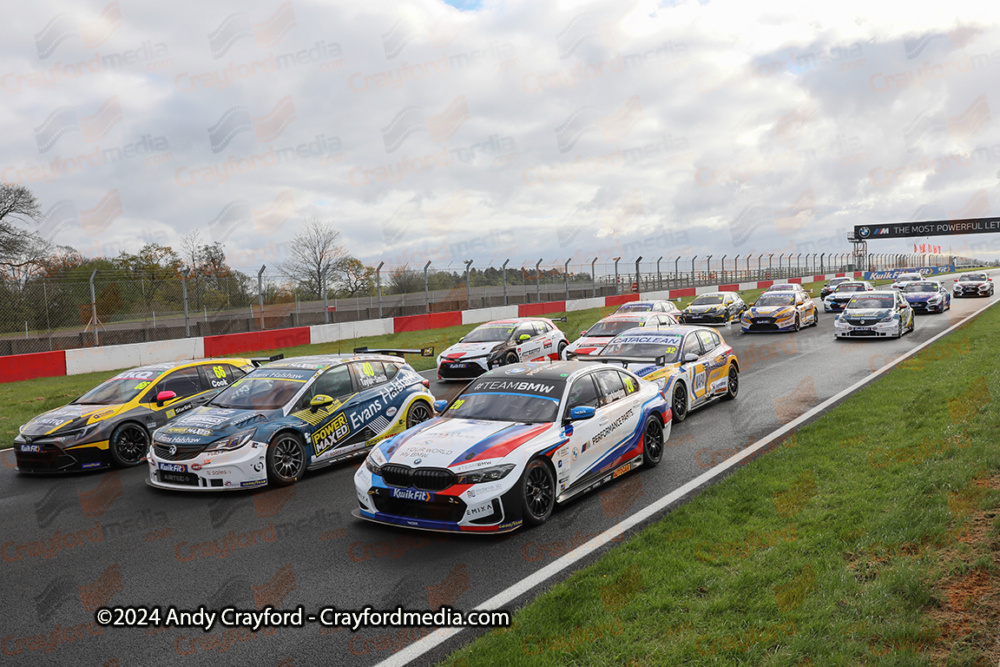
{"x": 73, "y": 544}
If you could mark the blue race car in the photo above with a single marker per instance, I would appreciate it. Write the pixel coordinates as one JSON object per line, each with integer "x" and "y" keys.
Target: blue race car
{"x": 289, "y": 416}
{"x": 927, "y": 296}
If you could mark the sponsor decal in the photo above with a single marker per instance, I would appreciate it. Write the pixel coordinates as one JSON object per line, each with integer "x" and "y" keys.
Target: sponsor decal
{"x": 330, "y": 434}
{"x": 195, "y": 466}
{"x": 412, "y": 494}
{"x": 512, "y": 386}
{"x": 31, "y": 448}
{"x": 172, "y": 467}
{"x": 480, "y": 509}
{"x": 621, "y": 470}
{"x": 576, "y": 453}
{"x": 256, "y": 482}
{"x": 510, "y": 524}
{"x": 96, "y": 464}
{"x": 391, "y": 411}
{"x": 516, "y": 371}
{"x": 358, "y": 419}
{"x": 613, "y": 426}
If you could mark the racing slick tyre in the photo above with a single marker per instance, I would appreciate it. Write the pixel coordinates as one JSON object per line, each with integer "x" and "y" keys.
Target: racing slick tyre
{"x": 652, "y": 442}
{"x": 899, "y": 331}
{"x": 510, "y": 358}
{"x": 913, "y": 323}
{"x": 128, "y": 444}
{"x": 815, "y": 318}
{"x": 418, "y": 412}
{"x": 286, "y": 459}
{"x": 562, "y": 346}
{"x": 798, "y": 324}
{"x": 734, "y": 383}
{"x": 538, "y": 492}
{"x": 679, "y": 404}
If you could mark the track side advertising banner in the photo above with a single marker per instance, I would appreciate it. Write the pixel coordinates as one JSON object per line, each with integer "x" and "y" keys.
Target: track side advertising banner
{"x": 900, "y": 230}
{"x": 923, "y": 270}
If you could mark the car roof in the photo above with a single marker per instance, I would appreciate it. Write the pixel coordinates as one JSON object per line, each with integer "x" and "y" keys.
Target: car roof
{"x": 664, "y": 331}
{"x": 881, "y": 292}
{"x": 171, "y": 365}
{"x": 323, "y": 361}
{"x": 720, "y": 293}
{"x": 558, "y": 371}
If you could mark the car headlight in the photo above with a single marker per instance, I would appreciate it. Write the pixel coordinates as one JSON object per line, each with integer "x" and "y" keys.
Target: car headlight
{"x": 234, "y": 441}
{"x": 373, "y": 467}
{"x": 889, "y": 317}
{"x": 74, "y": 436}
{"x": 486, "y": 474}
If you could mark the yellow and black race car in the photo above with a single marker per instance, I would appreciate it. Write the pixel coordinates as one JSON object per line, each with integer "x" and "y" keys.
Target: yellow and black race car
{"x": 111, "y": 423}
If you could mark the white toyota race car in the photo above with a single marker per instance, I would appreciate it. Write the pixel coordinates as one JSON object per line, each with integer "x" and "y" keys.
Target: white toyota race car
{"x": 501, "y": 343}
{"x": 514, "y": 443}
{"x": 596, "y": 337}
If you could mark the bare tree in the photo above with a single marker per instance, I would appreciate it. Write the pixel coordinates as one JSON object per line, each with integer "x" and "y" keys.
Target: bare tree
{"x": 17, "y": 203}
{"x": 314, "y": 250}
{"x": 404, "y": 280}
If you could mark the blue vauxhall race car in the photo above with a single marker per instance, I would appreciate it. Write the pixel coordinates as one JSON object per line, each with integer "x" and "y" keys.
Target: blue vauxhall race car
{"x": 289, "y": 416}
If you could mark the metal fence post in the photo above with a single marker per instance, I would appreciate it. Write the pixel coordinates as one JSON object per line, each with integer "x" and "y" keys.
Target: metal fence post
{"x": 378, "y": 286}
{"x": 617, "y": 259}
{"x": 638, "y": 286}
{"x": 468, "y": 284}
{"x": 593, "y": 276}
{"x": 538, "y": 281}
{"x": 326, "y": 298}
{"x": 427, "y": 291}
{"x": 659, "y": 276}
{"x": 93, "y": 309}
{"x": 505, "y": 263}
{"x": 677, "y": 273}
{"x": 692, "y": 269}
{"x": 566, "y": 277}
{"x": 260, "y": 293}
{"x": 184, "y": 293}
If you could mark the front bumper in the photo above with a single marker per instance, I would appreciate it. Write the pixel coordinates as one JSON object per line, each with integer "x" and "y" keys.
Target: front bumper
{"x": 875, "y": 330}
{"x": 760, "y": 324}
{"x": 972, "y": 292}
{"x": 708, "y": 318}
{"x": 195, "y": 470}
{"x": 834, "y": 306}
{"x": 43, "y": 456}
{"x": 925, "y": 307}
{"x": 468, "y": 508}
{"x": 582, "y": 351}
{"x": 463, "y": 369}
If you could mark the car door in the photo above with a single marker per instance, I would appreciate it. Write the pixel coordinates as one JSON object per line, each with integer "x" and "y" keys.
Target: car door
{"x": 186, "y": 383}
{"x": 546, "y": 339}
{"x": 531, "y": 347}
{"x": 584, "y": 392}
{"x": 331, "y": 433}
{"x": 695, "y": 372}
{"x": 905, "y": 310}
{"x": 617, "y": 419}
{"x": 714, "y": 359}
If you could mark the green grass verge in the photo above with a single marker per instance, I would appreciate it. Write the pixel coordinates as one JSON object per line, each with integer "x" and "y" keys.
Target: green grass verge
{"x": 832, "y": 549}
{"x": 23, "y": 400}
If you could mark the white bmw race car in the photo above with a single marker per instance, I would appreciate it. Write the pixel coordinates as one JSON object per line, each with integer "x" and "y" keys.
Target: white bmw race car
{"x": 596, "y": 337}
{"x": 515, "y": 442}
{"x": 501, "y": 343}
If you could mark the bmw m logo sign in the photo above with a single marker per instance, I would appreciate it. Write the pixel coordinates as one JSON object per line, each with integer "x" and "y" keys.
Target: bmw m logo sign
{"x": 417, "y": 462}
{"x": 864, "y": 232}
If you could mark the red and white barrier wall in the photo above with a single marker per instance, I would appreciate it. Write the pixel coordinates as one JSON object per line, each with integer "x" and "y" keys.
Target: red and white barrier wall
{"x": 14, "y": 368}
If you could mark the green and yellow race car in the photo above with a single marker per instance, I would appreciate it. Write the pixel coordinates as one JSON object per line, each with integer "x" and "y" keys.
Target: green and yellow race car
{"x": 111, "y": 423}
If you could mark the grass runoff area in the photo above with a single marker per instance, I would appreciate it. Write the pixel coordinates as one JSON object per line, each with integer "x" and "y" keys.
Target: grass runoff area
{"x": 22, "y": 401}
{"x": 870, "y": 536}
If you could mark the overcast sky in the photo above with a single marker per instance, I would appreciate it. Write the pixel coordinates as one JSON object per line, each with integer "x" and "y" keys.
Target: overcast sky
{"x": 501, "y": 129}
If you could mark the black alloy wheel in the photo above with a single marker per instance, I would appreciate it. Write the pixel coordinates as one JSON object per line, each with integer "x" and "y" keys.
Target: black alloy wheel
{"x": 129, "y": 443}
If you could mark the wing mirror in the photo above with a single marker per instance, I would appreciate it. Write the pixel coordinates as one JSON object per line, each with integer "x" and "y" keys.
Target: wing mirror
{"x": 583, "y": 333}
{"x": 439, "y": 406}
{"x": 165, "y": 396}
{"x": 461, "y": 339}
{"x": 690, "y": 357}
{"x": 319, "y": 401}
{"x": 582, "y": 412}
{"x": 523, "y": 337}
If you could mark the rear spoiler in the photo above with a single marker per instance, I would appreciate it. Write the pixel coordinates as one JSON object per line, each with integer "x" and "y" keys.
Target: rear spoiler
{"x": 625, "y": 361}
{"x": 260, "y": 361}
{"x": 423, "y": 352}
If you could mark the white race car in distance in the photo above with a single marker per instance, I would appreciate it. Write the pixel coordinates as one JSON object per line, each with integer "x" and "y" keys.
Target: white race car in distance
{"x": 875, "y": 314}
{"x": 501, "y": 343}
{"x": 596, "y": 337}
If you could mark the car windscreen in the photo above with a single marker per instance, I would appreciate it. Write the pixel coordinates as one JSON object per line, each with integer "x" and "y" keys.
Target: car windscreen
{"x": 908, "y": 277}
{"x": 973, "y": 278}
{"x": 775, "y": 299}
{"x": 607, "y": 329}
{"x": 635, "y": 308}
{"x": 509, "y": 399}
{"x": 707, "y": 300}
{"x": 920, "y": 287}
{"x": 115, "y": 391}
{"x": 489, "y": 333}
{"x": 263, "y": 389}
{"x": 871, "y": 302}
{"x": 849, "y": 288}
{"x": 643, "y": 346}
